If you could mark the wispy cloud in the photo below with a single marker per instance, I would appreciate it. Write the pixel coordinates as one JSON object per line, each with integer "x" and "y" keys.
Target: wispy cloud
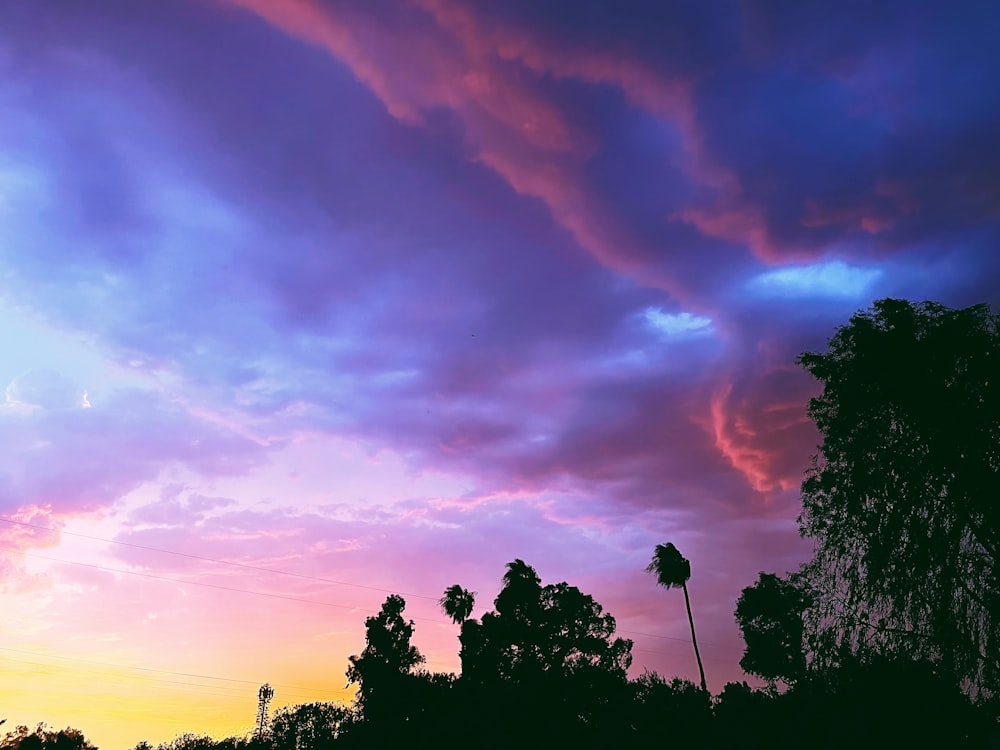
{"x": 828, "y": 279}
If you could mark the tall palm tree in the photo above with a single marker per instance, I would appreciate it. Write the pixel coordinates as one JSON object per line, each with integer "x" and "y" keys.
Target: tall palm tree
{"x": 673, "y": 572}
{"x": 457, "y": 603}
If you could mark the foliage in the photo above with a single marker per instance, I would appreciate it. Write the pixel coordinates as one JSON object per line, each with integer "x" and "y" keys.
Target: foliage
{"x": 458, "y": 603}
{"x": 191, "y": 741}
{"x": 876, "y": 701}
{"x": 769, "y": 615}
{"x": 669, "y": 712}
{"x": 536, "y": 630}
{"x": 901, "y": 497}
{"x": 42, "y": 738}
{"x": 388, "y": 658}
{"x": 745, "y": 717}
{"x": 672, "y": 569}
{"x": 309, "y": 726}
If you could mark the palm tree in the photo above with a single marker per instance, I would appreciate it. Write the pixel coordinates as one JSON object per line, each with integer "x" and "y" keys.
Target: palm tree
{"x": 673, "y": 572}
{"x": 457, "y": 603}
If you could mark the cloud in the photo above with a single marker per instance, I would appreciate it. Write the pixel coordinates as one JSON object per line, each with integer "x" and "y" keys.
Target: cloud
{"x": 829, "y": 279}
{"x": 80, "y": 460}
{"x": 508, "y": 124}
{"x": 761, "y": 428}
{"x": 680, "y": 324}
{"x": 45, "y": 389}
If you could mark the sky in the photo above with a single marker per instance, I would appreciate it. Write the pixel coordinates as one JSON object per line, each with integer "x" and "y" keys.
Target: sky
{"x": 306, "y": 302}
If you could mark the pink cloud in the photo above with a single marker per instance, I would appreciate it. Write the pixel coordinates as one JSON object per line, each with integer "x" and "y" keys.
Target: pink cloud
{"x": 857, "y": 217}
{"x": 21, "y": 536}
{"x": 510, "y": 126}
{"x": 761, "y": 428}
{"x": 878, "y": 211}
{"x": 668, "y": 96}
{"x": 735, "y": 220}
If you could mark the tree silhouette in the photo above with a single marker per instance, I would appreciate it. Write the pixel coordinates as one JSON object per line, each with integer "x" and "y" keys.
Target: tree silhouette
{"x": 673, "y": 570}
{"x": 309, "y": 726}
{"x": 42, "y": 738}
{"x": 901, "y": 498}
{"x": 387, "y": 660}
{"x": 769, "y": 615}
{"x": 458, "y": 603}
{"x": 537, "y": 629}
{"x": 547, "y": 654}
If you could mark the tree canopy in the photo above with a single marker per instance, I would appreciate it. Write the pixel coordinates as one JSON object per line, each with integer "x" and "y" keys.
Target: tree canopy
{"x": 901, "y": 498}
{"x": 769, "y": 615}
{"x": 458, "y": 603}
{"x": 388, "y": 658}
{"x": 537, "y": 629}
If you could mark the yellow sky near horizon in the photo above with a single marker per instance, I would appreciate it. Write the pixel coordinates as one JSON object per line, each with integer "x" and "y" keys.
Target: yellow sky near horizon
{"x": 117, "y": 705}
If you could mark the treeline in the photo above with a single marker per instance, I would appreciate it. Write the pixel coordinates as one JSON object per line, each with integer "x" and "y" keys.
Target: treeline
{"x": 544, "y": 669}
{"x": 888, "y": 637}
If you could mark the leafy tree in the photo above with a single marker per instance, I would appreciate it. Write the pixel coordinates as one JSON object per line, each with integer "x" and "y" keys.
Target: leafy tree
{"x": 546, "y": 654}
{"x": 901, "y": 498}
{"x": 41, "y": 738}
{"x": 309, "y": 726}
{"x": 388, "y": 658}
{"x": 673, "y": 570}
{"x": 539, "y": 629}
{"x": 458, "y": 603}
{"x": 769, "y": 615}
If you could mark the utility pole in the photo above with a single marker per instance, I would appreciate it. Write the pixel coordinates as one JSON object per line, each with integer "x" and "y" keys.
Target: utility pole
{"x": 264, "y": 696}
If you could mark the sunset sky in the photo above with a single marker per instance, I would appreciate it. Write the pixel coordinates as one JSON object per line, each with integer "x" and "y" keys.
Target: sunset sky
{"x": 305, "y": 302}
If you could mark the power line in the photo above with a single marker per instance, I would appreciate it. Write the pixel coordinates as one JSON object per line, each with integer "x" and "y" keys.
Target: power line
{"x": 216, "y": 690}
{"x": 233, "y": 692}
{"x": 267, "y": 570}
{"x": 665, "y": 637}
{"x": 281, "y": 596}
{"x": 98, "y": 662}
{"x": 276, "y": 596}
{"x": 678, "y": 653}
{"x": 206, "y": 585}
{"x": 215, "y": 560}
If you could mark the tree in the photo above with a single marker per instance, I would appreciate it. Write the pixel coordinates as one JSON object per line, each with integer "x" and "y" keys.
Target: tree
{"x": 547, "y": 654}
{"x": 387, "y": 660}
{"x": 673, "y": 570}
{"x": 769, "y": 615}
{"x": 457, "y": 603}
{"x": 309, "y": 726}
{"x": 41, "y": 738}
{"x": 535, "y": 629}
{"x": 901, "y": 498}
